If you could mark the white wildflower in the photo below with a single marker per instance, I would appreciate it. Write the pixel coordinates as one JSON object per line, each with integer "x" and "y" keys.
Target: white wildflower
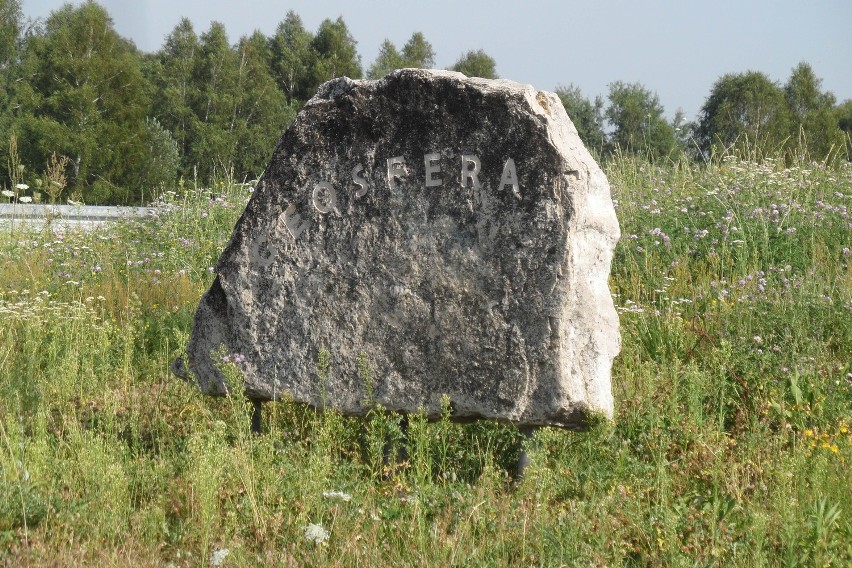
{"x": 7, "y": 193}
{"x": 315, "y": 533}
{"x": 22, "y": 186}
{"x": 26, "y": 199}
{"x": 219, "y": 556}
{"x": 346, "y": 497}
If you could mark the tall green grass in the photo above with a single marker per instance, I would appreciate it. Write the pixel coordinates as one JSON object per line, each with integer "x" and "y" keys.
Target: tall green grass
{"x": 730, "y": 445}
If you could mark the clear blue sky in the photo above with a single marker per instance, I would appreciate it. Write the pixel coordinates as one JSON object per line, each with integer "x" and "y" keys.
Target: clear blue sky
{"x": 677, "y": 48}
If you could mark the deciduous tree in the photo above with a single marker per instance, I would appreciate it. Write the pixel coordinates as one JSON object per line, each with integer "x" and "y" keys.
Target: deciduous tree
{"x": 815, "y": 128}
{"x": 744, "y": 111}
{"x": 416, "y": 53}
{"x": 291, "y": 58}
{"x": 261, "y": 112}
{"x": 173, "y": 73}
{"x": 477, "y": 64}
{"x": 389, "y": 58}
{"x": 334, "y": 54}
{"x": 216, "y": 79}
{"x": 637, "y": 121}
{"x": 586, "y": 115}
{"x": 82, "y": 95}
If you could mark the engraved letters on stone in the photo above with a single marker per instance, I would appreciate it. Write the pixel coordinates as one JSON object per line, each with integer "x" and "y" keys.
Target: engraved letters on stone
{"x": 450, "y": 235}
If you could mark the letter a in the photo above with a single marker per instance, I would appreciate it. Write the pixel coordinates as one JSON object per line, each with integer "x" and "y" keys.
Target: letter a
{"x": 510, "y": 177}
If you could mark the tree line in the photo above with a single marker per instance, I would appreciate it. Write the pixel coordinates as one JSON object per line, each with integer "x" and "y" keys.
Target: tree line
{"x": 122, "y": 123}
{"x": 745, "y": 114}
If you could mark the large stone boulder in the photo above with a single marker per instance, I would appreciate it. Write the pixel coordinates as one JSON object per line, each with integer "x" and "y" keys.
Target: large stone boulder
{"x": 422, "y": 235}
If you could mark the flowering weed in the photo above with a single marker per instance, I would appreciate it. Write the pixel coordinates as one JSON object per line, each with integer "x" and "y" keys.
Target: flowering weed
{"x": 731, "y": 444}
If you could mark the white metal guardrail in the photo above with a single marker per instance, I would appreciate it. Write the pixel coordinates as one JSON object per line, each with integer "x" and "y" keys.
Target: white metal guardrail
{"x": 35, "y": 217}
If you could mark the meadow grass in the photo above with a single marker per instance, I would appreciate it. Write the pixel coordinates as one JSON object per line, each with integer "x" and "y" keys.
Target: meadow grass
{"x": 731, "y": 443}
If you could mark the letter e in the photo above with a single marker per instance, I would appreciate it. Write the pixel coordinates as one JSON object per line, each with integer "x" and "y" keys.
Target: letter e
{"x": 432, "y": 169}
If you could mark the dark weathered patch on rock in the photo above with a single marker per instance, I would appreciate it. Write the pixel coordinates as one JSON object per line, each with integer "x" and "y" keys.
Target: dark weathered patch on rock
{"x": 451, "y": 236}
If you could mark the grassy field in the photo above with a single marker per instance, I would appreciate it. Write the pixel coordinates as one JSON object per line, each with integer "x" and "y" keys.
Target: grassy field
{"x": 731, "y": 443}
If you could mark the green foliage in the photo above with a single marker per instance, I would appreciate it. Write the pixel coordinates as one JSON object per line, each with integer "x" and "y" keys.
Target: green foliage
{"x": 388, "y": 59}
{"x": 173, "y": 74}
{"x": 745, "y": 112}
{"x": 163, "y": 160}
{"x": 261, "y": 112}
{"x": 10, "y": 30}
{"x": 291, "y": 58}
{"x": 730, "y": 446}
{"x": 72, "y": 86}
{"x": 416, "y": 53}
{"x": 843, "y": 113}
{"x": 843, "y": 116}
{"x": 334, "y": 54}
{"x": 476, "y": 63}
{"x": 586, "y": 115}
{"x": 812, "y": 113}
{"x": 636, "y": 116}
{"x": 82, "y": 95}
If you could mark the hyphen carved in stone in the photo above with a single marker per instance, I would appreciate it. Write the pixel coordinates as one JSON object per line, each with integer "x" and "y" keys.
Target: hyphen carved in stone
{"x": 453, "y": 232}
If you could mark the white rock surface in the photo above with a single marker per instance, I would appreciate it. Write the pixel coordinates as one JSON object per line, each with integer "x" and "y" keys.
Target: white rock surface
{"x": 450, "y": 235}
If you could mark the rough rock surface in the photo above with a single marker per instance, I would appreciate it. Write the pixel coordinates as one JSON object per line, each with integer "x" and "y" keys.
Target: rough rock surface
{"x": 422, "y": 235}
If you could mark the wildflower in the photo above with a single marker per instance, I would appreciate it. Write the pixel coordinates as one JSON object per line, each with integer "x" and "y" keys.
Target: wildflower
{"x": 238, "y": 358}
{"x": 346, "y": 497}
{"x": 757, "y": 339}
{"x": 315, "y": 533}
{"x": 846, "y": 251}
{"x": 26, "y": 199}
{"x": 7, "y": 193}
{"x": 22, "y": 187}
{"x": 219, "y": 556}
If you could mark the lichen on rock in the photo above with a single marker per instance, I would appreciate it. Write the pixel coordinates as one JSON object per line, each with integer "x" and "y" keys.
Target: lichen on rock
{"x": 454, "y": 233}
